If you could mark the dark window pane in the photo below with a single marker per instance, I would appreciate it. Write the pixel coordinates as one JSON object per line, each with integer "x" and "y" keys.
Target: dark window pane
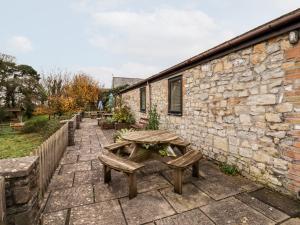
{"x": 143, "y": 99}
{"x": 175, "y": 95}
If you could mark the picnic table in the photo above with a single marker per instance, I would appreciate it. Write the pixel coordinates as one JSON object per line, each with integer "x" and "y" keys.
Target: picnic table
{"x": 140, "y": 139}
{"x": 146, "y": 145}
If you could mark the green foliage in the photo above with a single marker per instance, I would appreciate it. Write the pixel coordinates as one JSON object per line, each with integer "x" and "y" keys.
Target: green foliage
{"x": 120, "y": 133}
{"x": 18, "y": 144}
{"x": 122, "y": 114}
{"x": 109, "y": 120}
{"x": 35, "y": 124}
{"x": 43, "y": 125}
{"x": 229, "y": 169}
{"x": 3, "y": 114}
{"x": 153, "y": 117}
{"x": 29, "y": 109}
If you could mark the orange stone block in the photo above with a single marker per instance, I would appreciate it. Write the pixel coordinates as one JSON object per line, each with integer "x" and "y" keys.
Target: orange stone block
{"x": 293, "y": 53}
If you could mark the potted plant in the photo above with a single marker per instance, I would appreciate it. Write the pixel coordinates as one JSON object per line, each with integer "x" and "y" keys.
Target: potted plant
{"x": 108, "y": 123}
{"x": 122, "y": 117}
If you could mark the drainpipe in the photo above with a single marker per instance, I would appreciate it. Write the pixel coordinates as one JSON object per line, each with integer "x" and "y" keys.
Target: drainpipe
{"x": 150, "y": 95}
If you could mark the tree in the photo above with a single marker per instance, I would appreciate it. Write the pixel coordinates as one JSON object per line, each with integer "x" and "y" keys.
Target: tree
{"x": 19, "y": 85}
{"x": 84, "y": 91}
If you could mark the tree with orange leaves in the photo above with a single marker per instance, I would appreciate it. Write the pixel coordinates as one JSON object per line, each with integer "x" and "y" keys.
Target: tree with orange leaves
{"x": 84, "y": 91}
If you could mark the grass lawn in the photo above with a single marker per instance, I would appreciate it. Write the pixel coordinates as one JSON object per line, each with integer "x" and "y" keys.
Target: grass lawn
{"x": 17, "y": 143}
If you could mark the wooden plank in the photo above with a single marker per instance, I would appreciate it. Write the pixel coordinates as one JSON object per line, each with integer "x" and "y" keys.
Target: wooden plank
{"x": 186, "y": 160}
{"x": 117, "y": 145}
{"x": 118, "y": 163}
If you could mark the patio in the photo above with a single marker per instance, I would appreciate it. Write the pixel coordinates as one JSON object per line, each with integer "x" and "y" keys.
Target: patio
{"x": 78, "y": 196}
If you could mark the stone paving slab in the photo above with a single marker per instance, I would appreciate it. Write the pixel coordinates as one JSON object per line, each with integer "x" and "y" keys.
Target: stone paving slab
{"x": 55, "y": 218}
{"x": 70, "y": 197}
{"x": 81, "y": 166}
{"x": 281, "y": 202}
{"x": 61, "y": 181}
{"x": 145, "y": 208}
{"x": 69, "y": 158}
{"x": 263, "y": 208}
{"x": 292, "y": 221}
{"x": 151, "y": 182}
{"x": 88, "y": 177}
{"x": 192, "y": 217}
{"x": 118, "y": 188}
{"x": 96, "y": 165}
{"x": 88, "y": 157}
{"x": 191, "y": 198}
{"x": 104, "y": 213}
{"x": 233, "y": 211}
{"x": 153, "y": 167}
{"x": 187, "y": 176}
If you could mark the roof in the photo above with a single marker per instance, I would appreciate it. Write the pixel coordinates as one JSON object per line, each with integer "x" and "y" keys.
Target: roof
{"x": 121, "y": 81}
{"x": 283, "y": 24}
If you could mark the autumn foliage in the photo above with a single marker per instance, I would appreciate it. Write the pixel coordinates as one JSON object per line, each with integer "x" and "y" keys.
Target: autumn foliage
{"x": 70, "y": 95}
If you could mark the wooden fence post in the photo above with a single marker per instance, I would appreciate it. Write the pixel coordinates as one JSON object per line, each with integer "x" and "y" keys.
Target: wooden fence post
{"x": 2, "y": 202}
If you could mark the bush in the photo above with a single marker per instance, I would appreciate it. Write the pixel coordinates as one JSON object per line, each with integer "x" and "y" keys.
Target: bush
{"x": 153, "y": 117}
{"x": 229, "y": 169}
{"x": 122, "y": 114}
{"x": 35, "y": 124}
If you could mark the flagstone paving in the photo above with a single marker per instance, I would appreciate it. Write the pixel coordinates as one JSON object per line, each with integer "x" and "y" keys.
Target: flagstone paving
{"x": 78, "y": 196}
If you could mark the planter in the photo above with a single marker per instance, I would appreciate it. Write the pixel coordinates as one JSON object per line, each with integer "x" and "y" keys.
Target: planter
{"x": 119, "y": 126}
{"x": 107, "y": 126}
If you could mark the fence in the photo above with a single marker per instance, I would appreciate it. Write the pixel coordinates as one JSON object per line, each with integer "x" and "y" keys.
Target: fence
{"x": 50, "y": 153}
{"x": 2, "y": 201}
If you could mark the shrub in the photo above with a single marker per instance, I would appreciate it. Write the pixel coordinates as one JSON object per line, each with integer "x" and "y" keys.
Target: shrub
{"x": 153, "y": 116}
{"x": 122, "y": 114}
{"x": 229, "y": 169}
{"x": 35, "y": 124}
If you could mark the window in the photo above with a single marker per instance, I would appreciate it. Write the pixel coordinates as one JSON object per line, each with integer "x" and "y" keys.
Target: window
{"x": 143, "y": 99}
{"x": 175, "y": 95}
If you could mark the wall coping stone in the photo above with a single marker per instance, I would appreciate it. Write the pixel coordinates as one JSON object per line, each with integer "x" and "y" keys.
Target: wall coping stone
{"x": 17, "y": 167}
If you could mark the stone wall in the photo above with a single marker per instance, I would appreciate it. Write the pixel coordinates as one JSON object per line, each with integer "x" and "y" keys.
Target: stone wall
{"x": 21, "y": 190}
{"x": 241, "y": 109}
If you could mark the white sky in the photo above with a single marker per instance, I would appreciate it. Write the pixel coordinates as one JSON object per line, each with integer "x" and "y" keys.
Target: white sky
{"x": 131, "y": 38}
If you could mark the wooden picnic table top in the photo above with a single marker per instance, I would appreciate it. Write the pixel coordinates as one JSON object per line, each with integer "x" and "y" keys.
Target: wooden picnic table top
{"x": 150, "y": 137}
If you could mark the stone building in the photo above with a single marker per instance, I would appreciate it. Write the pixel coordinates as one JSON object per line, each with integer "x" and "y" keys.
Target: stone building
{"x": 238, "y": 102}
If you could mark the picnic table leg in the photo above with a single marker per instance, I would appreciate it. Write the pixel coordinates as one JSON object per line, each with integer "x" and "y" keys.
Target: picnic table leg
{"x": 178, "y": 179}
{"x": 195, "y": 169}
{"x": 132, "y": 185}
{"x": 107, "y": 174}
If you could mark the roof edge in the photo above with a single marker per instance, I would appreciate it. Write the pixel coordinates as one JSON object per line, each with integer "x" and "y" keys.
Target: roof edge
{"x": 253, "y": 34}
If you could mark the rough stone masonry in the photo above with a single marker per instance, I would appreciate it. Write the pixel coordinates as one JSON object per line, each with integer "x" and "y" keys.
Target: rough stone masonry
{"x": 241, "y": 109}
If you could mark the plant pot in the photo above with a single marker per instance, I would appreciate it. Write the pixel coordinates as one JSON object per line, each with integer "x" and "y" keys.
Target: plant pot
{"x": 107, "y": 126}
{"x": 119, "y": 126}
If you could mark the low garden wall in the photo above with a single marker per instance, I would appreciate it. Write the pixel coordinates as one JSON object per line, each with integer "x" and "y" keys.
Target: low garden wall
{"x": 26, "y": 179}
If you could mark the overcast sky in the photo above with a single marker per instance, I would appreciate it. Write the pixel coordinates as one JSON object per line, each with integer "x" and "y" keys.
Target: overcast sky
{"x": 130, "y": 38}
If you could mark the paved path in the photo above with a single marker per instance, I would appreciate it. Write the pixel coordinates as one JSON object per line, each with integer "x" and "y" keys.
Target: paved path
{"x": 78, "y": 196}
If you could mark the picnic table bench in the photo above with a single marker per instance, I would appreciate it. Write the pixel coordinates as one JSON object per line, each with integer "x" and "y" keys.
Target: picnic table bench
{"x": 111, "y": 161}
{"x": 191, "y": 158}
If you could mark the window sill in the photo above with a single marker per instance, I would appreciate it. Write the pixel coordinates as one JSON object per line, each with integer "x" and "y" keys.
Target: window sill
{"x": 175, "y": 114}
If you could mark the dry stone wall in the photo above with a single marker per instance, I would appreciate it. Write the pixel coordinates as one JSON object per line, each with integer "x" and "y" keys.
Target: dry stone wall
{"x": 241, "y": 109}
